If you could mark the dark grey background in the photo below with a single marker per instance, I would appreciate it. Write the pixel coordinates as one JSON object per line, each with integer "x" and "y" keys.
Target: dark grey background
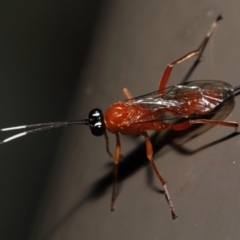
{"x": 61, "y": 59}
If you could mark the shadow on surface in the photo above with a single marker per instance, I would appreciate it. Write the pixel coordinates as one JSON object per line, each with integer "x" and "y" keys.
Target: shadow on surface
{"x": 130, "y": 164}
{"x": 162, "y": 142}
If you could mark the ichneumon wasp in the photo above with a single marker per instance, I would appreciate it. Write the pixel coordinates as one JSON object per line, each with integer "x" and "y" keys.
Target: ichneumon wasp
{"x": 174, "y": 108}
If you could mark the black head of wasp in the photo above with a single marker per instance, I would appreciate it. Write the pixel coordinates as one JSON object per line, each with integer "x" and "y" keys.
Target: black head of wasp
{"x": 189, "y": 103}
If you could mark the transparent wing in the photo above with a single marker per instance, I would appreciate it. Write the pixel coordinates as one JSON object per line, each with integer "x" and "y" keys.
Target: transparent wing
{"x": 189, "y": 100}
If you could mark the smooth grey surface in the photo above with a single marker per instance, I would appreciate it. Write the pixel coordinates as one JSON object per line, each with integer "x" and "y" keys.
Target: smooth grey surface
{"x": 132, "y": 43}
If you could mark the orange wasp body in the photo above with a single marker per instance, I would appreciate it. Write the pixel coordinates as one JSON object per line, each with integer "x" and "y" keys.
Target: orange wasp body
{"x": 189, "y": 103}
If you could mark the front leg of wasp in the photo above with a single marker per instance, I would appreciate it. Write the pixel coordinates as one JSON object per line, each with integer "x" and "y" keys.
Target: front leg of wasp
{"x": 117, "y": 156}
{"x": 163, "y": 182}
{"x": 115, "y": 169}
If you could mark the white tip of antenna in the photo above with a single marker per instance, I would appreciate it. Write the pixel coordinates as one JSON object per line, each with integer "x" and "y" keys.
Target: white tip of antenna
{"x": 12, "y": 128}
{"x": 14, "y": 137}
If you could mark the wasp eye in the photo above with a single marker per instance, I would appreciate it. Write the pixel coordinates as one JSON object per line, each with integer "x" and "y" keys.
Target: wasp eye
{"x": 96, "y": 122}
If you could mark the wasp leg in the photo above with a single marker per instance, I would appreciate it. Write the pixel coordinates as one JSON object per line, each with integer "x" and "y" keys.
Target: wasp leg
{"x": 190, "y": 122}
{"x": 115, "y": 169}
{"x": 127, "y": 94}
{"x": 163, "y": 182}
{"x": 107, "y": 144}
{"x": 198, "y": 51}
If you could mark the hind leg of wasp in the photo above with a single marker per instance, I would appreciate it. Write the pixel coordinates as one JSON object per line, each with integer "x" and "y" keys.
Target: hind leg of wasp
{"x": 190, "y": 122}
{"x": 163, "y": 182}
{"x": 115, "y": 169}
{"x": 198, "y": 51}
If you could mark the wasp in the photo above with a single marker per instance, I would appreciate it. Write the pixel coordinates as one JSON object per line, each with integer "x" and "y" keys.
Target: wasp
{"x": 174, "y": 108}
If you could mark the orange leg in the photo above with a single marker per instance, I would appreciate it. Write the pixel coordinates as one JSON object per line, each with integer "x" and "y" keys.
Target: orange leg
{"x": 199, "y": 50}
{"x": 127, "y": 94}
{"x": 115, "y": 170}
{"x": 117, "y": 156}
{"x": 149, "y": 156}
{"x": 107, "y": 144}
{"x": 190, "y": 122}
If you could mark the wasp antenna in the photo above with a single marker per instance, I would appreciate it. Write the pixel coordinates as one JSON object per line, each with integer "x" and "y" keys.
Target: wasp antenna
{"x": 24, "y": 133}
{"x": 80, "y": 122}
{"x": 95, "y": 123}
{"x": 40, "y": 127}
